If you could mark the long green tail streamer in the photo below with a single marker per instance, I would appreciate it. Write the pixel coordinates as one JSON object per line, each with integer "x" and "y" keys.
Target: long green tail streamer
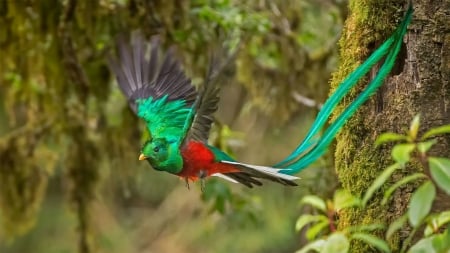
{"x": 312, "y": 147}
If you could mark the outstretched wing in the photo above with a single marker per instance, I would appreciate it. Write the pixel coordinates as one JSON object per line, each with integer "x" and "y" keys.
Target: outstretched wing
{"x": 158, "y": 91}
{"x": 205, "y": 106}
{"x": 140, "y": 73}
{"x": 198, "y": 123}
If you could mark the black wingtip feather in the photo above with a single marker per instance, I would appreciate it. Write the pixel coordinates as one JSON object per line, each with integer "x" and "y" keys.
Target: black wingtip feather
{"x": 140, "y": 75}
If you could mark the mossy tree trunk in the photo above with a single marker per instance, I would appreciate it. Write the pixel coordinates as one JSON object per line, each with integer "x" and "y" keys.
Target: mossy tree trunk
{"x": 419, "y": 83}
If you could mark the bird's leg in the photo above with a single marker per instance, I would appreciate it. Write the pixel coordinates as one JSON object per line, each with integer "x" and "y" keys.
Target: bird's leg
{"x": 187, "y": 183}
{"x": 202, "y": 184}
{"x": 202, "y": 175}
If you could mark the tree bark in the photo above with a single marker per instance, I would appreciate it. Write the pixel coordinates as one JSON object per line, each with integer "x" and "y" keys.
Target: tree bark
{"x": 418, "y": 83}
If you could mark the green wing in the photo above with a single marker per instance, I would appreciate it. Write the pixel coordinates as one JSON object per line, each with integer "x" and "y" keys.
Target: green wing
{"x": 157, "y": 89}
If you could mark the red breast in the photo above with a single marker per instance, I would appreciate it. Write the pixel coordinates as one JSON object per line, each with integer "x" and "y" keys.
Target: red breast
{"x": 198, "y": 160}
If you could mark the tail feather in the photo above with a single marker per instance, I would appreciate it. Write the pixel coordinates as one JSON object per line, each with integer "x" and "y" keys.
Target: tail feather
{"x": 308, "y": 151}
{"x": 336, "y": 97}
{"x": 240, "y": 177}
{"x": 225, "y": 177}
{"x": 250, "y": 173}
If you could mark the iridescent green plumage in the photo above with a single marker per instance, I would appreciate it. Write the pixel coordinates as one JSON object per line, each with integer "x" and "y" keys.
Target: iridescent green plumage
{"x": 163, "y": 118}
{"x": 315, "y": 144}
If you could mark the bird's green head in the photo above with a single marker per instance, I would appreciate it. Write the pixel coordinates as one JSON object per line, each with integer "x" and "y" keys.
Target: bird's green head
{"x": 163, "y": 155}
{"x": 155, "y": 151}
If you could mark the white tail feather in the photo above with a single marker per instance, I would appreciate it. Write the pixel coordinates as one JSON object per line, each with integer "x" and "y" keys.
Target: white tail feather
{"x": 266, "y": 170}
{"x": 225, "y": 177}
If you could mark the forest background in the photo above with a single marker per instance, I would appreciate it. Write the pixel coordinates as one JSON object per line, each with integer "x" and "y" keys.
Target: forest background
{"x": 70, "y": 180}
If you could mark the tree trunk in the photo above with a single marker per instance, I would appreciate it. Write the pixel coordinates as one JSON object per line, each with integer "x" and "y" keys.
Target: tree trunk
{"x": 418, "y": 83}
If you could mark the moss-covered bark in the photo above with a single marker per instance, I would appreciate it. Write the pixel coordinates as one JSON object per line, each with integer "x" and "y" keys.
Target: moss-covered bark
{"x": 419, "y": 83}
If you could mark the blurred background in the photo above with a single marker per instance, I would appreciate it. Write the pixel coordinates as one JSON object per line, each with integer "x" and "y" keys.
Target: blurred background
{"x": 70, "y": 180}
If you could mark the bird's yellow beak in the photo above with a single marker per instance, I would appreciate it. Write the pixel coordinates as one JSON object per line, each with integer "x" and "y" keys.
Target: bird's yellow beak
{"x": 142, "y": 157}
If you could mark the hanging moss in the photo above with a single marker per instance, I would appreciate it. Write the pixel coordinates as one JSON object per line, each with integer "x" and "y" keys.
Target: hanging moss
{"x": 24, "y": 173}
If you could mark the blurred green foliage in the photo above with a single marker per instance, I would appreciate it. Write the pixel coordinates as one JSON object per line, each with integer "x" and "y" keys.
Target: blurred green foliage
{"x": 69, "y": 176}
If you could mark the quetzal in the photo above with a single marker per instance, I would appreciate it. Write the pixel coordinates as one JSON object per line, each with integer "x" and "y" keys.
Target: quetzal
{"x": 179, "y": 118}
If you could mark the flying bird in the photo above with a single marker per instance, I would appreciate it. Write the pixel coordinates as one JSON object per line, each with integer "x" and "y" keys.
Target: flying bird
{"x": 178, "y": 117}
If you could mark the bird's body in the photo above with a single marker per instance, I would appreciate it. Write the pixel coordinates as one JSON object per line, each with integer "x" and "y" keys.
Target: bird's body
{"x": 200, "y": 161}
{"x": 179, "y": 117}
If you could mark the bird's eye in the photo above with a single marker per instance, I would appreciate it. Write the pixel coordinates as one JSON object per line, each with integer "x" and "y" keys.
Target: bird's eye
{"x": 156, "y": 149}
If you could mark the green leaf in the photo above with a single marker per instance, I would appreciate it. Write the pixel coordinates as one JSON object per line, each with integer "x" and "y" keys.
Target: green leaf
{"x": 315, "y": 202}
{"x": 316, "y": 229}
{"x": 424, "y": 146}
{"x": 434, "y": 244}
{"x": 309, "y": 218}
{"x": 437, "y": 131}
{"x": 336, "y": 243}
{"x": 372, "y": 240}
{"x": 440, "y": 172}
{"x": 436, "y": 222}
{"x": 389, "y": 137}
{"x": 344, "y": 199}
{"x": 414, "y": 128}
{"x": 396, "y": 225}
{"x": 316, "y": 245}
{"x": 425, "y": 245}
{"x": 401, "y": 152}
{"x": 405, "y": 180}
{"x": 441, "y": 242}
{"x": 379, "y": 181}
{"x": 421, "y": 202}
